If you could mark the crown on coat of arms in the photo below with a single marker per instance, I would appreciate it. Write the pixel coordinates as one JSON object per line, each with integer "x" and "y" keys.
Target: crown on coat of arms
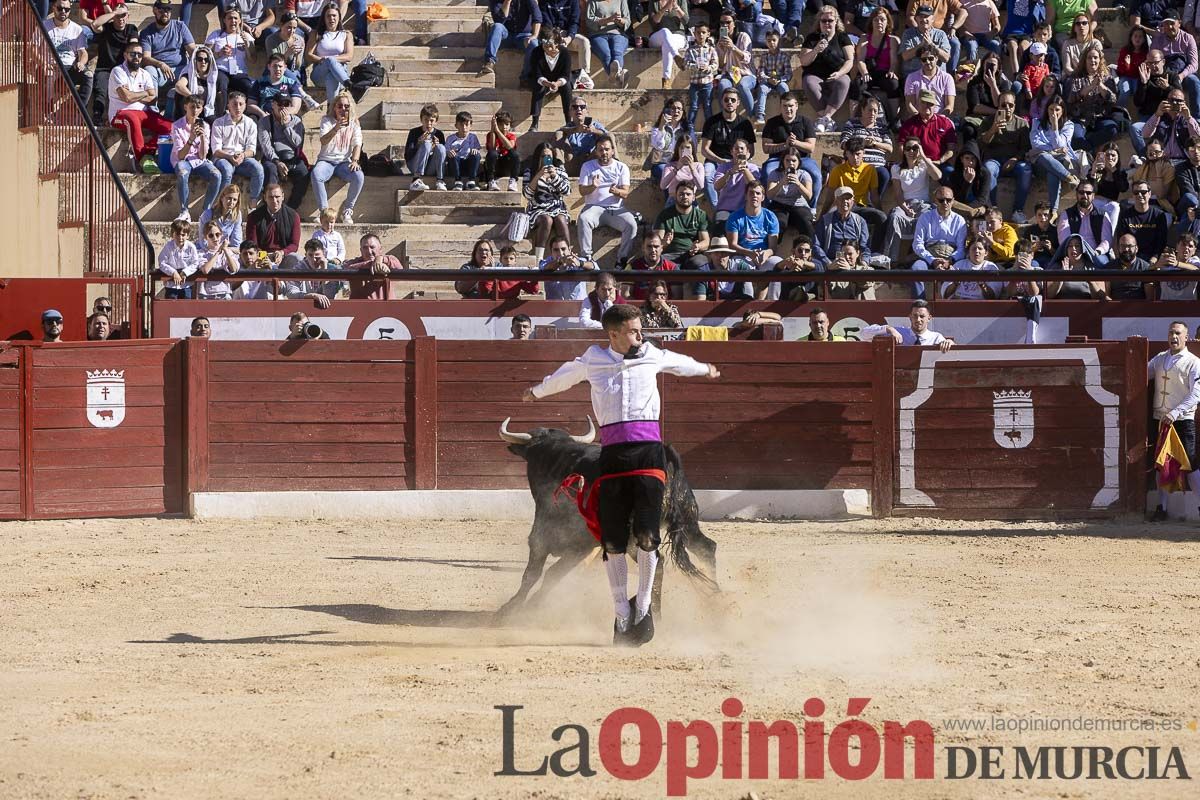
{"x": 1014, "y": 397}
{"x": 105, "y": 375}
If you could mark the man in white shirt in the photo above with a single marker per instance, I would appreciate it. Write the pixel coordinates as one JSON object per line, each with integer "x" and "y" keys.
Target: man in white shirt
{"x": 70, "y": 44}
{"x": 625, "y": 400}
{"x": 599, "y": 300}
{"x": 604, "y": 183}
{"x": 941, "y": 226}
{"x": 131, "y": 93}
{"x": 234, "y": 143}
{"x": 562, "y": 259}
{"x": 920, "y": 318}
{"x": 1175, "y": 373}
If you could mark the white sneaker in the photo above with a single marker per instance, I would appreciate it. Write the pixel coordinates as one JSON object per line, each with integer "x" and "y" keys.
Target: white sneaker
{"x": 472, "y": 186}
{"x": 310, "y": 103}
{"x": 458, "y": 186}
{"x": 512, "y": 184}
{"x": 1019, "y": 217}
{"x": 347, "y": 217}
{"x": 440, "y": 186}
{"x": 585, "y": 81}
{"x": 184, "y": 216}
{"x": 493, "y": 186}
{"x": 417, "y": 185}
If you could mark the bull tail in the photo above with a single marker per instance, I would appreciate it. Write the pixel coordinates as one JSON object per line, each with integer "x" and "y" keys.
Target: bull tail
{"x": 684, "y": 536}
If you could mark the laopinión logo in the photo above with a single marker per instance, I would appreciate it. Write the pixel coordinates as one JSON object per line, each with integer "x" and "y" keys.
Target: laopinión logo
{"x": 852, "y": 750}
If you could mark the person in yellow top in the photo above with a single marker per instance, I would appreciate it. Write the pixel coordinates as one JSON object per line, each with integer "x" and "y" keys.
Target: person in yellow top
{"x": 818, "y": 328}
{"x": 863, "y": 178}
{"x": 1001, "y": 237}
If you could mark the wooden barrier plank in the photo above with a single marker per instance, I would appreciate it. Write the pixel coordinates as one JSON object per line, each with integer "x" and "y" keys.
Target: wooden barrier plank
{"x": 530, "y": 372}
{"x": 303, "y": 372}
{"x": 1135, "y": 414}
{"x": 77, "y": 417}
{"x": 113, "y": 459}
{"x": 883, "y": 455}
{"x": 10, "y": 481}
{"x": 223, "y": 350}
{"x": 313, "y": 452}
{"x": 305, "y": 411}
{"x": 976, "y": 418}
{"x": 313, "y": 469}
{"x": 9, "y": 396}
{"x": 333, "y": 432}
{"x": 134, "y": 396}
{"x": 100, "y": 439}
{"x": 85, "y": 480}
{"x": 70, "y": 377}
{"x": 425, "y": 414}
{"x": 118, "y": 354}
{"x": 10, "y": 440}
{"x": 222, "y": 391}
{"x": 988, "y": 477}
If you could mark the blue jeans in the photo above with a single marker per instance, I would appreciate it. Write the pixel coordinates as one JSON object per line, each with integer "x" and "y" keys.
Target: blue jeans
{"x": 1021, "y": 171}
{"x": 699, "y": 96}
{"x": 178, "y": 292}
{"x": 955, "y": 48}
{"x": 760, "y": 107}
{"x": 972, "y": 43}
{"x": 205, "y": 170}
{"x": 789, "y": 12}
{"x": 1125, "y": 89}
{"x": 498, "y": 36}
{"x": 322, "y": 171}
{"x": 464, "y": 168}
{"x": 814, "y": 171}
{"x": 1102, "y": 132}
{"x": 710, "y": 191}
{"x": 1191, "y": 88}
{"x": 1188, "y": 200}
{"x": 429, "y": 159}
{"x": 333, "y": 74}
{"x": 610, "y": 49}
{"x": 359, "y": 7}
{"x": 1136, "y": 138}
{"x": 745, "y": 90}
{"x": 250, "y": 168}
{"x": 1055, "y": 173}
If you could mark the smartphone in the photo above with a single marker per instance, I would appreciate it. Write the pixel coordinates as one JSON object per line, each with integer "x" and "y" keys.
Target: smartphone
{"x": 587, "y": 121}
{"x": 547, "y": 160}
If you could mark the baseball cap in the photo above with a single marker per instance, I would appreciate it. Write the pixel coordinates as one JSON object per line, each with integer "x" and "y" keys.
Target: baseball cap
{"x": 927, "y": 96}
{"x": 1037, "y": 49}
{"x": 1171, "y": 13}
{"x": 162, "y": 3}
{"x": 842, "y": 191}
{"x": 52, "y": 313}
{"x": 924, "y": 11}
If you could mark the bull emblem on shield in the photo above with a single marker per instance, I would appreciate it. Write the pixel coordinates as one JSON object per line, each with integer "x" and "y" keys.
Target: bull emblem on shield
{"x": 106, "y": 398}
{"x": 1012, "y": 411}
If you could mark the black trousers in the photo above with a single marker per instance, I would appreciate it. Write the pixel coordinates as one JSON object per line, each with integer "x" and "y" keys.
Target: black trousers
{"x": 633, "y": 505}
{"x": 501, "y": 166}
{"x": 1186, "y": 430}
{"x": 297, "y": 173}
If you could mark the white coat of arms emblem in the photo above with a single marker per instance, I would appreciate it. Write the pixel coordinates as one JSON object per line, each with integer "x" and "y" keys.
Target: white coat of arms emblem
{"x": 1012, "y": 411}
{"x": 105, "y": 398}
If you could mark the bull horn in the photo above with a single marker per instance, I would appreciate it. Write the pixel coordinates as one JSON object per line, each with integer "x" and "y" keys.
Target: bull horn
{"x": 513, "y": 438}
{"x": 588, "y": 437}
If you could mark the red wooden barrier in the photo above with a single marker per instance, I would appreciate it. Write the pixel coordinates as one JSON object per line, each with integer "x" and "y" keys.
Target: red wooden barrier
{"x": 12, "y": 504}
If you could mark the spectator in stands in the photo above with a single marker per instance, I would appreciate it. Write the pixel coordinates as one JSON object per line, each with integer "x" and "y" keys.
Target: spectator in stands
{"x": 1043, "y": 234}
{"x": 753, "y": 232}
{"x": 178, "y": 261}
{"x": 1112, "y": 179}
{"x": 298, "y": 324}
{"x": 819, "y": 329}
{"x": 320, "y": 292}
{"x": 604, "y": 184}
{"x": 801, "y": 260}
{"x": 1145, "y": 221}
{"x": 546, "y": 194}
{"x": 718, "y": 137}
{"x": 683, "y": 167}
{"x": 978, "y": 24}
{"x": 131, "y": 95}
{"x": 1006, "y": 143}
{"x": 341, "y": 146}
{"x": 201, "y": 328}
{"x": 425, "y": 150}
{"x": 1001, "y": 238}
{"x": 606, "y": 22}
{"x": 651, "y": 260}
{"x": 1128, "y": 260}
{"x": 934, "y": 131}
{"x": 1082, "y": 39}
{"x": 1179, "y": 47}
{"x": 827, "y": 57}
{"x": 731, "y": 180}
{"x": 657, "y": 312}
{"x": 1055, "y": 157}
{"x": 773, "y": 75}
{"x": 549, "y": 72}
{"x": 98, "y": 327}
{"x": 227, "y": 212}
{"x": 1089, "y": 222}
{"x": 330, "y": 51}
{"x": 984, "y": 92}
{"x": 1048, "y": 90}
{"x": 735, "y": 59}
{"x": 837, "y": 226}
{"x": 669, "y": 18}
{"x": 1187, "y": 181}
{"x": 1092, "y": 102}
{"x": 920, "y": 318}
{"x": 723, "y": 258}
{"x": 113, "y": 34}
{"x": 1158, "y": 172}
{"x": 602, "y": 297}
{"x": 379, "y": 264}
{"x": 1173, "y": 124}
{"x": 502, "y": 158}
{"x": 877, "y": 65}
{"x": 668, "y": 129}
{"x": 578, "y": 137}
{"x": 234, "y": 145}
{"x": 189, "y": 156}
{"x": 863, "y": 178}
{"x": 168, "y": 44}
{"x": 277, "y": 87}
{"x": 912, "y": 181}
{"x": 924, "y": 29}
{"x": 290, "y": 43}
{"x": 564, "y": 15}
{"x": 561, "y": 259}
{"x": 1155, "y": 85}
{"x": 518, "y": 22}
{"x": 1183, "y": 257}
{"x": 273, "y": 227}
{"x": 202, "y": 79}
{"x": 789, "y": 195}
{"x": 327, "y": 235}
{"x": 940, "y": 237}
{"x": 849, "y": 258}
{"x": 871, "y": 126}
{"x": 483, "y": 256}
{"x": 789, "y": 130}
{"x": 52, "y": 325}
{"x": 103, "y": 304}
{"x": 971, "y": 183}
{"x": 1129, "y": 64}
{"x": 683, "y": 229}
{"x": 929, "y": 78}
{"x": 230, "y": 45}
{"x": 521, "y": 327}
{"x": 281, "y": 147}
{"x": 1075, "y": 255}
{"x": 975, "y": 260}
{"x": 218, "y": 258}
{"x": 703, "y": 64}
{"x": 70, "y": 45}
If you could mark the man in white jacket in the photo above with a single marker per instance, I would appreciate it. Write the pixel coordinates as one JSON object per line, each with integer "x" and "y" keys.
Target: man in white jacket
{"x": 624, "y": 381}
{"x": 234, "y": 144}
{"x": 1175, "y": 373}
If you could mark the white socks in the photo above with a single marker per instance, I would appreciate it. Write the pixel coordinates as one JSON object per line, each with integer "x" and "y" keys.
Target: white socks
{"x": 647, "y": 562}
{"x": 1193, "y": 480}
{"x": 618, "y": 581}
{"x": 539, "y": 253}
{"x": 1031, "y": 329}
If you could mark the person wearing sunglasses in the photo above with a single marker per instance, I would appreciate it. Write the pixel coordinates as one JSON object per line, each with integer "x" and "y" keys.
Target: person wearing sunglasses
{"x": 929, "y": 78}
{"x": 70, "y": 44}
{"x": 202, "y": 78}
{"x": 52, "y": 325}
{"x": 940, "y": 237}
{"x": 1005, "y": 144}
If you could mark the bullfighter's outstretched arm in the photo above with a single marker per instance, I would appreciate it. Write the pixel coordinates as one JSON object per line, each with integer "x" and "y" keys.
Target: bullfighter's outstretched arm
{"x": 564, "y": 378}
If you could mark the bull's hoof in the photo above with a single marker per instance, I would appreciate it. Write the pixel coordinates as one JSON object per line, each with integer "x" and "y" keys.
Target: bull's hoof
{"x": 643, "y": 631}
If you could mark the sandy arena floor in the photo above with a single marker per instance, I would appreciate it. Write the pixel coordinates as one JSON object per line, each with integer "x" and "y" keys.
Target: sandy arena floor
{"x": 164, "y": 658}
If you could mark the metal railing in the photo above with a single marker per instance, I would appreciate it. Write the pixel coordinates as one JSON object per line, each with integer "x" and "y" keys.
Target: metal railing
{"x": 90, "y": 191}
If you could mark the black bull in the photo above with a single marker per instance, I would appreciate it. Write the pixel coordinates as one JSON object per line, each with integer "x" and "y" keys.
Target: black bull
{"x": 559, "y": 530}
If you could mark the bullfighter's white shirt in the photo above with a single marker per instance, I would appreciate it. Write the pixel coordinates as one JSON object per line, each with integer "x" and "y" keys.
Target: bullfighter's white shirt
{"x": 1179, "y": 376}
{"x": 623, "y": 389}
